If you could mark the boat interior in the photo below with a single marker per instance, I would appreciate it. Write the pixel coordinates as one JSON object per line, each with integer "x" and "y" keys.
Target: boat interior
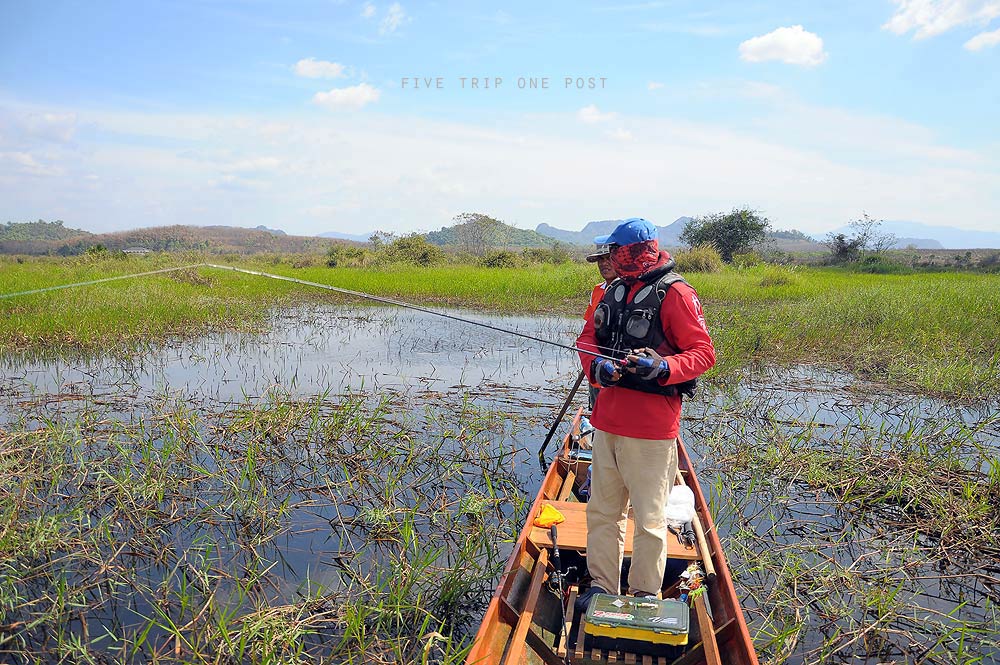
{"x": 535, "y": 616}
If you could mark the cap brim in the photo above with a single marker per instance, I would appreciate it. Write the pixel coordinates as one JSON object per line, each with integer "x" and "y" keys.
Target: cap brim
{"x": 602, "y": 240}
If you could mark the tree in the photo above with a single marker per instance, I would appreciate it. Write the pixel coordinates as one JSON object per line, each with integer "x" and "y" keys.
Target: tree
{"x": 730, "y": 233}
{"x": 865, "y": 236}
{"x": 378, "y": 239}
{"x": 479, "y": 233}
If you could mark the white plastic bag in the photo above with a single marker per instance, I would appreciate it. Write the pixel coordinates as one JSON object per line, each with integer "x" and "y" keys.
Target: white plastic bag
{"x": 680, "y": 506}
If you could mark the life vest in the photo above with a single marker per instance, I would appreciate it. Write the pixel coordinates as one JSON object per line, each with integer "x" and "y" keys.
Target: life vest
{"x": 621, "y": 325}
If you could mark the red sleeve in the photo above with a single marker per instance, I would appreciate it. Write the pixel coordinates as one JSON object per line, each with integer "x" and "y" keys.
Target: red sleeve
{"x": 684, "y": 325}
{"x": 595, "y": 298}
{"x": 587, "y": 340}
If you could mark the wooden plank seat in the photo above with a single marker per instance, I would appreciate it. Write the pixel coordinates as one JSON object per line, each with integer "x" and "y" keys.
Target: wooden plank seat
{"x": 572, "y": 533}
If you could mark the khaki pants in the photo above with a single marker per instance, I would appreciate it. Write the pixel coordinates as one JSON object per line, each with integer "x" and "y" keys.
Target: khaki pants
{"x": 642, "y": 470}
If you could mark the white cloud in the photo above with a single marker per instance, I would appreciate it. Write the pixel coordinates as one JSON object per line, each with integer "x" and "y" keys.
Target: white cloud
{"x": 58, "y": 127}
{"x": 806, "y": 166}
{"x": 793, "y": 45}
{"x": 25, "y": 163}
{"x": 592, "y": 115}
{"x": 320, "y": 69}
{"x": 620, "y": 134}
{"x": 392, "y": 20}
{"x": 368, "y": 10}
{"x": 928, "y": 18}
{"x": 254, "y": 164}
{"x": 353, "y": 97}
{"x": 983, "y": 40}
{"x": 653, "y": 85}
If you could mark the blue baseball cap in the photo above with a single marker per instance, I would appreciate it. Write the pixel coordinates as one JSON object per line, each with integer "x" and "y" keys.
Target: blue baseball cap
{"x": 628, "y": 231}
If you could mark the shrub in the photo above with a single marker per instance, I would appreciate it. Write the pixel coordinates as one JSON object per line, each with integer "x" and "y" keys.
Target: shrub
{"x": 866, "y": 236}
{"x": 990, "y": 262}
{"x": 412, "y": 248}
{"x": 499, "y": 259}
{"x": 879, "y": 265}
{"x": 778, "y": 276}
{"x": 747, "y": 260}
{"x": 304, "y": 262}
{"x": 556, "y": 254}
{"x": 730, "y": 233}
{"x": 347, "y": 256}
{"x": 701, "y": 258}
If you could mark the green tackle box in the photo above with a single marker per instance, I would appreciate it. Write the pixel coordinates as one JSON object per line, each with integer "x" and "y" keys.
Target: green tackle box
{"x": 638, "y": 625}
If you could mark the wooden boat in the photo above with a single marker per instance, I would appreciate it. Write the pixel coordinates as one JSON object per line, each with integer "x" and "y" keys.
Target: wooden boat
{"x": 528, "y": 622}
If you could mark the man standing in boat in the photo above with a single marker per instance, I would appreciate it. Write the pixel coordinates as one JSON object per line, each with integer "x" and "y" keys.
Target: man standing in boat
{"x": 602, "y": 257}
{"x": 653, "y": 319}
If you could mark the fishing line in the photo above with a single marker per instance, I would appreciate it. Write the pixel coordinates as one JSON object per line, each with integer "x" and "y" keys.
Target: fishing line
{"x": 356, "y": 294}
{"x": 97, "y": 281}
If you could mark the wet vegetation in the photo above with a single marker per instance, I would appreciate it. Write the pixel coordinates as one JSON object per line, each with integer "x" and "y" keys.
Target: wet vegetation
{"x": 272, "y": 530}
{"x": 310, "y": 519}
{"x": 872, "y": 537}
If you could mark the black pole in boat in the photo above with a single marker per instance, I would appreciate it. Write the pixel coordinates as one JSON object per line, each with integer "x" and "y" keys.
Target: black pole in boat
{"x": 555, "y": 424}
{"x": 557, "y": 573}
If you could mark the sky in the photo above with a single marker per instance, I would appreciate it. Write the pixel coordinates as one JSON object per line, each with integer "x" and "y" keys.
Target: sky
{"x": 354, "y": 116}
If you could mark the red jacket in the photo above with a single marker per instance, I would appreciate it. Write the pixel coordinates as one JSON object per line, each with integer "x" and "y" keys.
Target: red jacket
{"x": 647, "y": 415}
{"x": 596, "y": 296}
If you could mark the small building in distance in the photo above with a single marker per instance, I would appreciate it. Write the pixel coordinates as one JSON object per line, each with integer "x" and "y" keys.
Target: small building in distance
{"x": 133, "y": 251}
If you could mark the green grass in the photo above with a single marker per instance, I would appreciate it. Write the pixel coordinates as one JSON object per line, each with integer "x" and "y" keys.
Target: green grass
{"x": 123, "y": 314}
{"x": 928, "y": 332}
{"x": 924, "y": 332}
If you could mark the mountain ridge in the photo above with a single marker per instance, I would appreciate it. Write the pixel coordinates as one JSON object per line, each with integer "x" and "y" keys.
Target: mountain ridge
{"x": 669, "y": 234}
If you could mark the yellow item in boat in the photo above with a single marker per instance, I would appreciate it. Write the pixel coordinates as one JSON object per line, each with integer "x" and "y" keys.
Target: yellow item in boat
{"x": 548, "y": 516}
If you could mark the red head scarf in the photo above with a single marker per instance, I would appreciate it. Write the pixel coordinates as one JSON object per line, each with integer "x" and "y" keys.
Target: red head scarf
{"x": 632, "y": 261}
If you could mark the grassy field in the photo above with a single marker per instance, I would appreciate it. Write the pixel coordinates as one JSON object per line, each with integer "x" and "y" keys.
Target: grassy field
{"x": 925, "y": 332}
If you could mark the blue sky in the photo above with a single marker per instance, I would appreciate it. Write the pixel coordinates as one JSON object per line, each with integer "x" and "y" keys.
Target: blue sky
{"x": 297, "y": 115}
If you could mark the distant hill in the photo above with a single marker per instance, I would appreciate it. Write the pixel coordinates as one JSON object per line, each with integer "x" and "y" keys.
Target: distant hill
{"x": 356, "y": 237}
{"x": 923, "y": 235}
{"x": 513, "y": 237}
{"x": 669, "y": 235}
{"x": 40, "y": 230}
{"x": 15, "y": 239}
{"x": 275, "y": 232}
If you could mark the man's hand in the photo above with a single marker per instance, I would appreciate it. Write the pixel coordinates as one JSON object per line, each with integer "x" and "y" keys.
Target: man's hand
{"x": 605, "y": 372}
{"x": 648, "y": 364}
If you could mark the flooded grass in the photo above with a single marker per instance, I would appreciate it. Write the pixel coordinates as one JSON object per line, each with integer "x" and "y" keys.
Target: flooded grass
{"x": 276, "y": 530}
{"x": 858, "y": 533}
{"x": 339, "y": 483}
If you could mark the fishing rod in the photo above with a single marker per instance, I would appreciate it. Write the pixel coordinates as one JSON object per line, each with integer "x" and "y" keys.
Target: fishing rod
{"x": 400, "y": 303}
{"x": 357, "y": 294}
